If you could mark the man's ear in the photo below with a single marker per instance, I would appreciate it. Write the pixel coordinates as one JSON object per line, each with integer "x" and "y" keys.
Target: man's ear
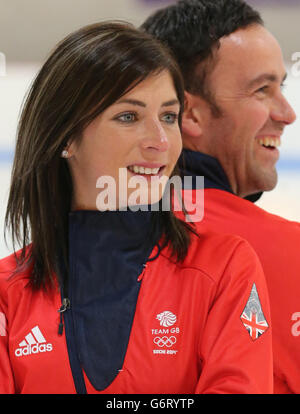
{"x": 192, "y": 117}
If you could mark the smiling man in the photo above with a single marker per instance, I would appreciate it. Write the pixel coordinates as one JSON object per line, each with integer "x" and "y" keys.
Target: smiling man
{"x": 232, "y": 126}
{"x": 246, "y": 84}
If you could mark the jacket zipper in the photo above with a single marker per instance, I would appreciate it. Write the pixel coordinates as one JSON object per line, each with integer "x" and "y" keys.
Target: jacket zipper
{"x": 65, "y": 305}
{"x": 66, "y": 320}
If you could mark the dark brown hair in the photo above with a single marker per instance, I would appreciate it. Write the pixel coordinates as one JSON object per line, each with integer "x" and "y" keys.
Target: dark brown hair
{"x": 86, "y": 73}
{"x": 192, "y": 29}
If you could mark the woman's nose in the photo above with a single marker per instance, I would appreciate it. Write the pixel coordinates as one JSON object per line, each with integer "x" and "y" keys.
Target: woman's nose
{"x": 155, "y": 137}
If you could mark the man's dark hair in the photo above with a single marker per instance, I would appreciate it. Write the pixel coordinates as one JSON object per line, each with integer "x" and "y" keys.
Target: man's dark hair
{"x": 192, "y": 30}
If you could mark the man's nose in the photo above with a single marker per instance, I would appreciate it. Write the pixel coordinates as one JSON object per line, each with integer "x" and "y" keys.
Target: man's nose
{"x": 282, "y": 111}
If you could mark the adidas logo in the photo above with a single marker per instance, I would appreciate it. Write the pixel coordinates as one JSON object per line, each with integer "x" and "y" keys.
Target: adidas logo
{"x": 33, "y": 343}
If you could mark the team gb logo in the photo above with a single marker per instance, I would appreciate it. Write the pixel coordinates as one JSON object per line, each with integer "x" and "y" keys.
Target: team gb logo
{"x": 166, "y": 318}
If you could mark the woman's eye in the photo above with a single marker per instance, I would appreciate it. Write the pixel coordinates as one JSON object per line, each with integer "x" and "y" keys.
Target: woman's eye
{"x": 127, "y": 117}
{"x": 170, "y": 118}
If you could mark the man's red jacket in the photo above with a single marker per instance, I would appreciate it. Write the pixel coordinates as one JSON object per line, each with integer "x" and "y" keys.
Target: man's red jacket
{"x": 277, "y": 244}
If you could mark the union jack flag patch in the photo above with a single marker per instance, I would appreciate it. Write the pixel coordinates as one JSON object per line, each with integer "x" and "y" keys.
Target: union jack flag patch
{"x": 252, "y": 317}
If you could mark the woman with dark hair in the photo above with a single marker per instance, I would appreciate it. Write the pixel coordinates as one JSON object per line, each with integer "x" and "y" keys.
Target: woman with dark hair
{"x": 110, "y": 292}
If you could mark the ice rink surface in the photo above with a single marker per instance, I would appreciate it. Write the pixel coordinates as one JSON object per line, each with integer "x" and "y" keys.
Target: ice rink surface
{"x": 284, "y": 200}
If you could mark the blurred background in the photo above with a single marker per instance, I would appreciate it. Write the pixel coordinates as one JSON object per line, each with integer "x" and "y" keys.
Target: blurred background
{"x": 30, "y": 29}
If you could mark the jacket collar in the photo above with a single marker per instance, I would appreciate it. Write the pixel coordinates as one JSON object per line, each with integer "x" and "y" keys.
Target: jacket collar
{"x": 193, "y": 163}
{"x": 107, "y": 254}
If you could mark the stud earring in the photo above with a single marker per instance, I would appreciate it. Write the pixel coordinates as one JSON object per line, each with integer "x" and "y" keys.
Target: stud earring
{"x": 64, "y": 154}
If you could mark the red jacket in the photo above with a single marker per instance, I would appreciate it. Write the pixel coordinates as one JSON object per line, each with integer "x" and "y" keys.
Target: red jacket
{"x": 276, "y": 242}
{"x": 199, "y": 327}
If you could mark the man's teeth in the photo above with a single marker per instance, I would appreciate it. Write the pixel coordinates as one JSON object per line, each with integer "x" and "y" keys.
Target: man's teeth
{"x": 142, "y": 170}
{"x": 269, "y": 142}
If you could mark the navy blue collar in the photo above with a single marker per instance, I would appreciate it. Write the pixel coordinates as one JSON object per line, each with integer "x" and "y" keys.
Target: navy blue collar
{"x": 113, "y": 230}
{"x": 192, "y": 163}
{"x": 107, "y": 253}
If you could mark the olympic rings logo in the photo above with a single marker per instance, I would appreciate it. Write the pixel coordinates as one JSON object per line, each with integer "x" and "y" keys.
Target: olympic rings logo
{"x": 164, "y": 341}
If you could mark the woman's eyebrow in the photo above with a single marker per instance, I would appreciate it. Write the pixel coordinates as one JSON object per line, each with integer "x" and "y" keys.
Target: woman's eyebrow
{"x": 171, "y": 102}
{"x": 132, "y": 102}
{"x": 137, "y": 102}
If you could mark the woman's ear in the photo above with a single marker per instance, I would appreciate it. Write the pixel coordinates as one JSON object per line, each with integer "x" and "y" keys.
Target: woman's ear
{"x": 192, "y": 121}
{"x": 69, "y": 149}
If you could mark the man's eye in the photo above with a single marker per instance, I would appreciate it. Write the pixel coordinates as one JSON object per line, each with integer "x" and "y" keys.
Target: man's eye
{"x": 170, "y": 117}
{"x": 127, "y": 117}
{"x": 283, "y": 86}
{"x": 263, "y": 89}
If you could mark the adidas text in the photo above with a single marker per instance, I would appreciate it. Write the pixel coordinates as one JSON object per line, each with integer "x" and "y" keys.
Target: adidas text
{"x": 33, "y": 343}
{"x": 34, "y": 349}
